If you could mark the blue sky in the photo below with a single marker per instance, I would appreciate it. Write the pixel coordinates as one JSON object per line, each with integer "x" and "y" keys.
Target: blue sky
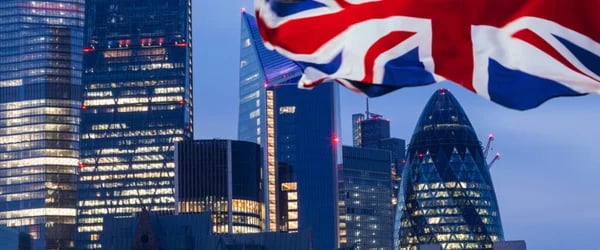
{"x": 546, "y": 182}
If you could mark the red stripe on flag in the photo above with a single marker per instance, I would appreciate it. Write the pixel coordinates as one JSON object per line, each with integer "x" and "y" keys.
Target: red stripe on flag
{"x": 382, "y": 45}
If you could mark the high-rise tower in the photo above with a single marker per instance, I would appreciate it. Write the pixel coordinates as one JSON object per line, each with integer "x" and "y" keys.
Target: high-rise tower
{"x": 297, "y": 130}
{"x": 40, "y": 95}
{"x": 137, "y": 104}
{"x": 447, "y": 196}
{"x": 223, "y": 177}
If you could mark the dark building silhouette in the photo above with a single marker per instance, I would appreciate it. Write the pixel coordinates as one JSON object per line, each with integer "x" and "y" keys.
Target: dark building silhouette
{"x": 148, "y": 231}
{"x": 223, "y": 177}
{"x": 295, "y": 127}
{"x": 374, "y": 129}
{"x": 366, "y": 193}
{"x": 41, "y": 44}
{"x": 447, "y": 196}
{"x": 137, "y": 90}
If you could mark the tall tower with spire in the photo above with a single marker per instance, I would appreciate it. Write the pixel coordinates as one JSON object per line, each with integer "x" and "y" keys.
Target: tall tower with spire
{"x": 447, "y": 196}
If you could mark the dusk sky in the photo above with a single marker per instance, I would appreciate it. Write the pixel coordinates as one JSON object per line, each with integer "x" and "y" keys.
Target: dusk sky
{"x": 546, "y": 181}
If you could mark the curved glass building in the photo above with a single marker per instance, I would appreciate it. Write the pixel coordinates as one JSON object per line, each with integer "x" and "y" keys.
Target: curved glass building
{"x": 447, "y": 196}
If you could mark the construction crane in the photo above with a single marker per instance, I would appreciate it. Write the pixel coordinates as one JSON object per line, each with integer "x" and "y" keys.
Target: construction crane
{"x": 488, "y": 145}
{"x": 486, "y": 151}
{"x": 496, "y": 158}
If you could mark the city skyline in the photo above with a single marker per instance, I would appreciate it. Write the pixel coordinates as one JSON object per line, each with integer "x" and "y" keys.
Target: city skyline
{"x": 547, "y": 153}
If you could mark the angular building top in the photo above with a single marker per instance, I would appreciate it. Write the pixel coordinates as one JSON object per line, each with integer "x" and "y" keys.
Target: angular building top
{"x": 297, "y": 130}
{"x": 447, "y": 196}
{"x": 274, "y": 65}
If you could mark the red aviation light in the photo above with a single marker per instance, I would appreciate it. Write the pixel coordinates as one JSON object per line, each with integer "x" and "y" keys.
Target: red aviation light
{"x": 335, "y": 140}
{"x": 82, "y": 165}
{"x": 88, "y": 49}
{"x": 83, "y": 107}
{"x": 421, "y": 155}
{"x": 181, "y": 44}
{"x": 181, "y": 102}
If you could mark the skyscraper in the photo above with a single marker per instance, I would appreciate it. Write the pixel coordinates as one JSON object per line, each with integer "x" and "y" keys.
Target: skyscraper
{"x": 137, "y": 104}
{"x": 356, "y": 129}
{"x": 366, "y": 192}
{"x": 447, "y": 196}
{"x": 373, "y": 129}
{"x": 40, "y": 94}
{"x": 294, "y": 127}
{"x": 223, "y": 177}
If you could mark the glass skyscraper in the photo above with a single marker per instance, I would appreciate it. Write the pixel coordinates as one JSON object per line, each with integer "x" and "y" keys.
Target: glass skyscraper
{"x": 222, "y": 177}
{"x": 366, "y": 194}
{"x": 295, "y": 128}
{"x": 137, "y": 104}
{"x": 447, "y": 196}
{"x": 40, "y": 97}
{"x": 373, "y": 129}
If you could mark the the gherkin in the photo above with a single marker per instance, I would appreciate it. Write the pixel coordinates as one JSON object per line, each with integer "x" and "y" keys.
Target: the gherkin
{"x": 447, "y": 196}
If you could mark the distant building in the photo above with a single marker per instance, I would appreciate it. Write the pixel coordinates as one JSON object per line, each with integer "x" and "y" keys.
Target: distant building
{"x": 223, "y": 177}
{"x": 356, "y": 129}
{"x": 296, "y": 128}
{"x": 373, "y": 129}
{"x": 137, "y": 91}
{"x": 510, "y": 245}
{"x": 500, "y": 245}
{"x": 148, "y": 231}
{"x": 365, "y": 193}
{"x": 41, "y": 43}
{"x": 447, "y": 196}
{"x": 12, "y": 239}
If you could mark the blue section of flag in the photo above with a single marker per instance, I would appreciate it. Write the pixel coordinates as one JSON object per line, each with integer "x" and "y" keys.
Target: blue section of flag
{"x": 518, "y": 90}
{"x": 374, "y": 90}
{"x": 327, "y": 68}
{"x": 286, "y": 9}
{"x": 407, "y": 70}
{"x": 588, "y": 59}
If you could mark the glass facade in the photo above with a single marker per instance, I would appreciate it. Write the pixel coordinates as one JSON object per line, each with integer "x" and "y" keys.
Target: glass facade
{"x": 373, "y": 130}
{"x": 40, "y": 94}
{"x": 447, "y": 196}
{"x": 356, "y": 129}
{"x": 137, "y": 104}
{"x": 296, "y": 128}
{"x": 260, "y": 68}
{"x": 223, "y": 177}
{"x": 366, "y": 191}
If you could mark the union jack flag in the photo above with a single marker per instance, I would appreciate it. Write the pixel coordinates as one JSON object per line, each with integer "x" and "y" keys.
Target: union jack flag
{"x": 517, "y": 53}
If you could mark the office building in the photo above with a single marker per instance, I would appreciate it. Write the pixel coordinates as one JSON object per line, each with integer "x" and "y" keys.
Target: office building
{"x": 447, "y": 196}
{"x": 14, "y": 240}
{"x": 40, "y": 95}
{"x": 356, "y": 129}
{"x": 294, "y": 127}
{"x": 148, "y": 231}
{"x": 223, "y": 177}
{"x": 137, "y": 104}
{"x": 365, "y": 192}
{"x": 373, "y": 129}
